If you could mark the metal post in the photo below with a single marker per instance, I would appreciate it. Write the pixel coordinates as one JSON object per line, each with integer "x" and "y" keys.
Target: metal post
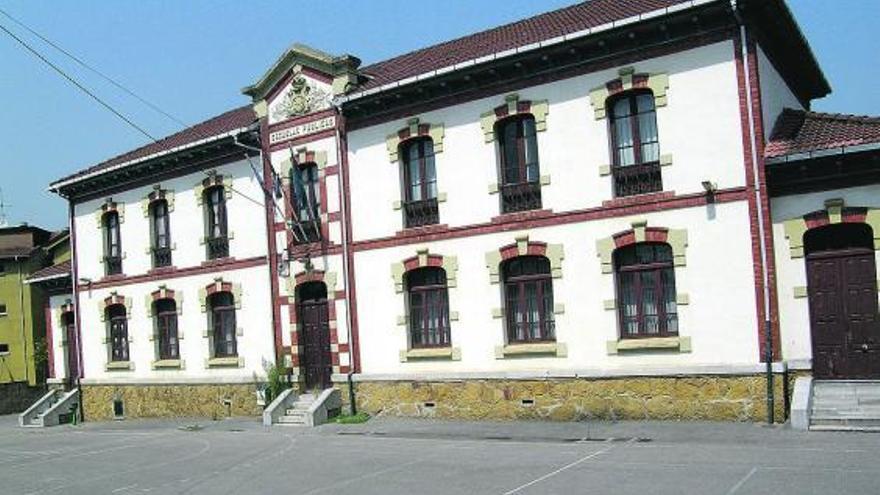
{"x": 768, "y": 346}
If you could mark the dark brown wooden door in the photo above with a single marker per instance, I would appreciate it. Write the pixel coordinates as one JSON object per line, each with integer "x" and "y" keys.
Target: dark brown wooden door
{"x": 72, "y": 347}
{"x": 314, "y": 325}
{"x": 843, "y": 313}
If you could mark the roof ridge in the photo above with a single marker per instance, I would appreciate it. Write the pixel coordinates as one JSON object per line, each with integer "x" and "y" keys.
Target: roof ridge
{"x": 847, "y": 117}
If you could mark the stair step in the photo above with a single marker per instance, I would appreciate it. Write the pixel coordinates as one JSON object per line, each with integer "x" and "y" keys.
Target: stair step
{"x": 291, "y": 420}
{"x": 296, "y": 412}
{"x": 844, "y": 428}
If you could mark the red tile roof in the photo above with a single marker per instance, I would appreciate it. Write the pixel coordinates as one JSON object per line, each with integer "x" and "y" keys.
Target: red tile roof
{"x": 225, "y": 122}
{"x": 798, "y": 131}
{"x": 59, "y": 270}
{"x": 584, "y": 15}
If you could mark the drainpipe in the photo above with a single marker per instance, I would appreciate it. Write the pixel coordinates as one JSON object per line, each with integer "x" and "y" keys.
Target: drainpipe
{"x": 346, "y": 250}
{"x": 762, "y": 243}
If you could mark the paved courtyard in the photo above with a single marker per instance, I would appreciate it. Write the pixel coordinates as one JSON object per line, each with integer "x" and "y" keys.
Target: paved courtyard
{"x": 428, "y": 457}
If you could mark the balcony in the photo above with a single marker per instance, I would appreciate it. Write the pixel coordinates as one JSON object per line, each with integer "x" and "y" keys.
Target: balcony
{"x": 161, "y": 257}
{"x": 218, "y": 247}
{"x": 632, "y": 180}
{"x": 113, "y": 265}
{"x": 421, "y": 213}
{"x": 523, "y": 196}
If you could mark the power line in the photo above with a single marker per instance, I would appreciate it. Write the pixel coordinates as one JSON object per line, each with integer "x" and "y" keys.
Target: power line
{"x": 94, "y": 70}
{"x": 75, "y": 82}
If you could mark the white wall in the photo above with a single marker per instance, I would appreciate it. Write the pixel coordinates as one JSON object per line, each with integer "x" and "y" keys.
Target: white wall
{"x": 794, "y": 313}
{"x": 700, "y": 127}
{"x": 59, "y": 348}
{"x": 720, "y": 318}
{"x": 775, "y": 93}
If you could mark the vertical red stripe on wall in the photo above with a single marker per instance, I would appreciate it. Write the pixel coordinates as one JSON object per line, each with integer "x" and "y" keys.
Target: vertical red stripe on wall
{"x": 345, "y": 190}
{"x": 271, "y": 238}
{"x": 50, "y": 347}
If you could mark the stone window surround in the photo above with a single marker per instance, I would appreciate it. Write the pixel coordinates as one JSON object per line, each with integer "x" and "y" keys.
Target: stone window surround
{"x": 657, "y": 83}
{"x": 213, "y": 179}
{"x": 415, "y": 129}
{"x": 835, "y": 212}
{"x": 106, "y": 207}
{"x": 639, "y": 232}
{"x": 330, "y": 281}
{"x": 112, "y": 300}
{"x": 65, "y": 308}
{"x": 513, "y": 106}
{"x": 524, "y": 247}
{"x": 302, "y": 156}
{"x": 220, "y": 285}
{"x": 158, "y": 193}
{"x": 422, "y": 259}
{"x": 161, "y": 293}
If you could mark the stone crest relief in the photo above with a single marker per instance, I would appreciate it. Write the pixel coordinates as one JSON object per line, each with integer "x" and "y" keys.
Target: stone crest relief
{"x": 302, "y": 98}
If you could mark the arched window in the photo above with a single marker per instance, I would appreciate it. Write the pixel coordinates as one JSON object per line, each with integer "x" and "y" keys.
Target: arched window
{"x": 520, "y": 171}
{"x": 161, "y": 233}
{"x": 646, "y": 290}
{"x": 306, "y": 194}
{"x": 635, "y": 144}
{"x": 217, "y": 231}
{"x": 223, "y": 325}
{"x": 112, "y": 243}
{"x": 166, "y": 328}
{"x": 428, "y": 307}
{"x": 118, "y": 321}
{"x": 420, "y": 179}
{"x": 528, "y": 295}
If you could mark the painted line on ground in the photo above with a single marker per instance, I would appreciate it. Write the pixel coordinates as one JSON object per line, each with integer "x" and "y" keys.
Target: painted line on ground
{"x": 563, "y": 468}
{"x": 739, "y": 484}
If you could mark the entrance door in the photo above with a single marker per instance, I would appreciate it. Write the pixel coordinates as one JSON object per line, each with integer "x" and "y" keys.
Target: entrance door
{"x": 72, "y": 355}
{"x": 315, "y": 331}
{"x": 842, "y": 289}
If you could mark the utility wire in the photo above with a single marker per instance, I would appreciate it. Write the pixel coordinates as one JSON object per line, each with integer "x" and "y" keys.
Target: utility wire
{"x": 94, "y": 70}
{"x": 76, "y": 83}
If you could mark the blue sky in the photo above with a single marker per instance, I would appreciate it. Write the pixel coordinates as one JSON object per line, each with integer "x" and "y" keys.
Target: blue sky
{"x": 192, "y": 58}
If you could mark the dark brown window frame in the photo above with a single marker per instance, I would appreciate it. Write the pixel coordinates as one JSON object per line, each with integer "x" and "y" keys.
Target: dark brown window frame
{"x": 117, "y": 321}
{"x": 641, "y": 177}
{"x": 223, "y": 326}
{"x": 540, "y": 281}
{"x": 161, "y": 236}
{"x": 434, "y": 297}
{"x": 309, "y": 228}
{"x": 217, "y": 238}
{"x": 655, "y": 269}
{"x": 426, "y": 209}
{"x": 522, "y": 194}
{"x": 167, "y": 329}
{"x": 112, "y": 250}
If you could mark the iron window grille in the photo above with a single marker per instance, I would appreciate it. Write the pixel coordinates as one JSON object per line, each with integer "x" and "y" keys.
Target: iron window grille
{"x": 217, "y": 239}
{"x": 112, "y": 244}
{"x": 420, "y": 176}
{"x": 646, "y": 291}
{"x": 161, "y": 234}
{"x": 305, "y": 185}
{"x": 528, "y": 292}
{"x": 635, "y": 144}
{"x": 118, "y": 321}
{"x": 166, "y": 326}
{"x": 428, "y": 308}
{"x": 520, "y": 170}
{"x": 223, "y": 323}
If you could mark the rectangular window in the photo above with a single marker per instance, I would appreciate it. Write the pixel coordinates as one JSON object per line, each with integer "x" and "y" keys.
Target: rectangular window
{"x": 420, "y": 176}
{"x": 636, "y": 145}
{"x": 2, "y": 269}
{"x": 2, "y": 309}
{"x": 4, "y": 349}
{"x": 217, "y": 240}
{"x": 161, "y": 234}
{"x": 518, "y": 145}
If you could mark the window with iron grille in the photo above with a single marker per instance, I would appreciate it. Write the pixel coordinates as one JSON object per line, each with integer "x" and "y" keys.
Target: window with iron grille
{"x": 117, "y": 319}
{"x": 161, "y": 233}
{"x": 420, "y": 178}
{"x": 646, "y": 291}
{"x": 635, "y": 144}
{"x": 217, "y": 238}
{"x": 428, "y": 307}
{"x": 166, "y": 328}
{"x": 223, "y": 325}
{"x": 528, "y": 294}
{"x": 112, "y": 244}
{"x": 520, "y": 171}
{"x": 306, "y": 192}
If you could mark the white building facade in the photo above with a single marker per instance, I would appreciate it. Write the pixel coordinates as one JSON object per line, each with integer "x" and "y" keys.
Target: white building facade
{"x": 565, "y": 224}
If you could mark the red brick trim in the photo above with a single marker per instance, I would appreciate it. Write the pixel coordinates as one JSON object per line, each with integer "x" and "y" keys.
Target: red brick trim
{"x": 214, "y": 289}
{"x": 157, "y": 294}
{"x": 424, "y": 131}
{"x": 615, "y": 86}
{"x": 521, "y": 216}
{"x": 511, "y": 251}
{"x": 293, "y": 308}
{"x": 298, "y": 141}
{"x": 628, "y": 237}
{"x": 222, "y": 266}
{"x": 635, "y": 200}
{"x": 506, "y": 223}
{"x": 50, "y": 347}
{"x": 113, "y": 300}
{"x": 820, "y": 218}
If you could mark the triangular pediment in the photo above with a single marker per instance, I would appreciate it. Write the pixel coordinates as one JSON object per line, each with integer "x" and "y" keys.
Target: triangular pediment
{"x": 340, "y": 70}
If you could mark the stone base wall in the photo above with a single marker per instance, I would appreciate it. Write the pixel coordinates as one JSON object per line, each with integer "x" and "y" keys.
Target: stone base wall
{"x": 170, "y": 401}
{"x": 722, "y": 398}
{"x": 18, "y": 396}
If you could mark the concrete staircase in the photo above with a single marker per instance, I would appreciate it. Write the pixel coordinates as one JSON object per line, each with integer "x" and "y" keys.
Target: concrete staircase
{"x": 297, "y": 413}
{"x": 845, "y": 405}
{"x": 55, "y": 407}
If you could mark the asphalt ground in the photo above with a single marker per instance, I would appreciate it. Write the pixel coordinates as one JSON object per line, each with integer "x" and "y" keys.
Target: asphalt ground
{"x": 387, "y": 456}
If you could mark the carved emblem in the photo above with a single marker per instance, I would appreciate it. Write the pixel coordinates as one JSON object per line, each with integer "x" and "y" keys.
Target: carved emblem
{"x": 303, "y": 97}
